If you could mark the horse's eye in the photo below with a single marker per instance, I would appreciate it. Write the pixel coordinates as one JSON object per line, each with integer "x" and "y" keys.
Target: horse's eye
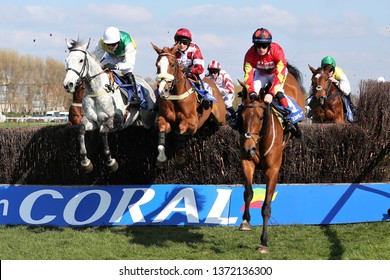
{"x": 81, "y": 60}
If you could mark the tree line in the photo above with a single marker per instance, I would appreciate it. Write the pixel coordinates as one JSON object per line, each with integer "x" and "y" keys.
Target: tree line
{"x": 31, "y": 84}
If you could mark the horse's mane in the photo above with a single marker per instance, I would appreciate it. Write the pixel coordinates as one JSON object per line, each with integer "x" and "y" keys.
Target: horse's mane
{"x": 297, "y": 75}
{"x": 74, "y": 44}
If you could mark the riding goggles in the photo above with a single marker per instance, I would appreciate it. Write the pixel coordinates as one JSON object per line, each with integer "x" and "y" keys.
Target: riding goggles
{"x": 184, "y": 42}
{"x": 261, "y": 46}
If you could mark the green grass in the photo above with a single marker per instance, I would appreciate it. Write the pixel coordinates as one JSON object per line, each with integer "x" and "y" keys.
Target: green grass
{"x": 26, "y": 124}
{"x": 364, "y": 241}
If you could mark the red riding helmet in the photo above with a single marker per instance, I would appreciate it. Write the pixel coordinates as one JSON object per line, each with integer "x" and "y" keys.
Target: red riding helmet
{"x": 214, "y": 65}
{"x": 183, "y": 33}
{"x": 262, "y": 36}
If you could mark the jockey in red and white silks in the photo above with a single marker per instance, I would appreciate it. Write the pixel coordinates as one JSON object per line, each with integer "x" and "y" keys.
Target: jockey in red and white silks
{"x": 224, "y": 83}
{"x": 190, "y": 58}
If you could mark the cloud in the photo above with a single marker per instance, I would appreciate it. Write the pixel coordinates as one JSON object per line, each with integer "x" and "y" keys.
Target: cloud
{"x": 120, "y": 13}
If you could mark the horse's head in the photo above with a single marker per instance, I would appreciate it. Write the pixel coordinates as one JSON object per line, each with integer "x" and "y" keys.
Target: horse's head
{"x": 255, "y": 114}
{"x": 76, "y": 64}
{"x": 320, "y": 83}
{"x": 168, "y": 69}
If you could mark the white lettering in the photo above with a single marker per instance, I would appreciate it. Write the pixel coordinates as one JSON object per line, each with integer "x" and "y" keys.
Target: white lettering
{"x": 5, "y": 204}
{"x": 222, "y": 200}
{"x": 189, "y": 207}
{"x": 71, "y": 207}
{"x": 134, "y": 209}
{"x": 28, "y": 203}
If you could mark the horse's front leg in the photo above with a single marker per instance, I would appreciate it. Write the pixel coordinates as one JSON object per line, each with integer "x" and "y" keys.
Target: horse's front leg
{"x": 111, "y": 163}
{"x": 180, "y": 160}
{"x": 86, "y": 164}
{"x": 248, "y": 167}
{"x": 272, "y": 176}
{"x": 164, "y": 129}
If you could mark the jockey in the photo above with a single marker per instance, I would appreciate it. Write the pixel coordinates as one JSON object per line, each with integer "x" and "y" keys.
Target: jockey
{"x": 116, "y": 51}
{"x": 224, "y": 83}
{"x": 338, "y": 77}
{"x": 190, "y": 58}
{"x": 265, "y": 63}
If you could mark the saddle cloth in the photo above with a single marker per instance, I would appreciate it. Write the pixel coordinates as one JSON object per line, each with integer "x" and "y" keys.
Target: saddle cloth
{"x": 293, "y": 112}
{"x": 128, "y": 89}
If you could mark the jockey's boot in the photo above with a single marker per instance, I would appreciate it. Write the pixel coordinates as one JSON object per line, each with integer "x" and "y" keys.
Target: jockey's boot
{"x": 351, "y": 105}
{"x": 237, "y": 122}
{"x": 204, "y": 102}
{"x": 232, "y": 113}
{"x": 134, "y": 100}
{"x": 289, "y": 126}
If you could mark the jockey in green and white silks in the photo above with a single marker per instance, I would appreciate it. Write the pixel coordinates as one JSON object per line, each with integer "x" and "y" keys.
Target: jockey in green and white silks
{"x": 123, "y": 56}
{"x": 116, "y": 51}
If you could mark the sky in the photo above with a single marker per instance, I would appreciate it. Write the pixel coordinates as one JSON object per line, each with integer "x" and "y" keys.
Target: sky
{"x": 355, "y": 32}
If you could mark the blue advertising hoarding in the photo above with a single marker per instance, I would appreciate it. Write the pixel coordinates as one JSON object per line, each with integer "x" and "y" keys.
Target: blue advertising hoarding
{"x": 203, "y": 205}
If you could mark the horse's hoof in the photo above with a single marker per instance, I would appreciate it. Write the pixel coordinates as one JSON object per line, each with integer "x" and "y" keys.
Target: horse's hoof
{"x": 162, "y": 164}
{"x": 88, "y": 168}
{"x": 262, "y": 249}
{"x": 113, "y": 166}
{"x": 180, "y": 160}
{"x": 245, "y": 226}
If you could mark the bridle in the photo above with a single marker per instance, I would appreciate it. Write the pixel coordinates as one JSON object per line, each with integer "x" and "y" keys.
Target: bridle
{"x": 83, "y": 77}
{"x": 168, "y": 79}
{"x": 252, "y": 135}
{"x": 81, "y": 74}
{"x": 327, "y": 90}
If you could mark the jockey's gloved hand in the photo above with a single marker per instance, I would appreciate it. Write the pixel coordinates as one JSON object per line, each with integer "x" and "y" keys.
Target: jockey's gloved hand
{"x": 110, "y": 66}
{"x": 268, "y": 98}
{"x": 282, "y": 99}
{"x": 187, "y": 72}
{"x": 253, "y": 96}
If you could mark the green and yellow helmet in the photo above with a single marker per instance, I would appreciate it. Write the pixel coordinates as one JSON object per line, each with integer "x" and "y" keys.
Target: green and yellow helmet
{"x": 328, "y": 60}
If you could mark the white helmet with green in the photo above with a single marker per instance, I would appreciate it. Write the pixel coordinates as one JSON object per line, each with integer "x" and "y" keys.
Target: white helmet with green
{"x": 111, "y": 35}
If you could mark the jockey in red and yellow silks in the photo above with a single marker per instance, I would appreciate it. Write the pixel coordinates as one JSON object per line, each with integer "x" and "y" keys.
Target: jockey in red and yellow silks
{"x": 265, "y": 63}
{"x": 273, "y": 62}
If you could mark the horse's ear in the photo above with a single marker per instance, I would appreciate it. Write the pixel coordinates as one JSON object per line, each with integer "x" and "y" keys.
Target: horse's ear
{"x": 312, "y": 69}
{"x": 175, "y": 48}
{"x": 89, "y": 41}
{"x": 68, "y": 44}
{"x": 241, "y": 83}
{"x": 157, "y": 49}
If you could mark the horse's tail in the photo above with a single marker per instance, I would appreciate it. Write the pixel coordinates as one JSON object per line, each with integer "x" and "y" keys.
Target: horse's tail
{"x": 297, "y": 75}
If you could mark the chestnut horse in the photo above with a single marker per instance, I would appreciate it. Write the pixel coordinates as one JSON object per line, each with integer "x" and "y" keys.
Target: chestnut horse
{"x": 262, "y": 142}
{"x": 76, "y": 109}
{"x": 327, "y": 102}
{"x": 179, "y": 109}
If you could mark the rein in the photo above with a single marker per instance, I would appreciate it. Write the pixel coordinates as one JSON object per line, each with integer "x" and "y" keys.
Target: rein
{"x": 327, "y": 91}
{"x": 249, "y": 135}
{"x": 84, "y": 78}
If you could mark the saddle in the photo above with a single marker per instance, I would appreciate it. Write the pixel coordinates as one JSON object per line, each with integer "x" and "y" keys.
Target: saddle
{"x": 127, "y": 90}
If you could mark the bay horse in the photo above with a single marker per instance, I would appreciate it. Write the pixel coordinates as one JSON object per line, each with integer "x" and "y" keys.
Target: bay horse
{"x": 262, "y": 142}
{"x": 327, "y": 102}
{"x": 104, "y": 106}
{"x": 179, "y": 109}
